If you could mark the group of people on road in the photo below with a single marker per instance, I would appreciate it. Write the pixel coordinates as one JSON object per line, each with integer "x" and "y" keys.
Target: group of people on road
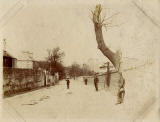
{"x": 96, "y": 80}
{"x": 121, "y": 91}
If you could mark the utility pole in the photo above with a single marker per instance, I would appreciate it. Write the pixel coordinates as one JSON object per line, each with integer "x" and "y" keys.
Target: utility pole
{"x": 5, "y": 43}
{"x": 108, "y": 74}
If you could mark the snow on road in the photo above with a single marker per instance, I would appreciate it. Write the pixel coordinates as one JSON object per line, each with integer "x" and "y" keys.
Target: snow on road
{"x": 81, "y": 102}
{"x": 56, "y": 102}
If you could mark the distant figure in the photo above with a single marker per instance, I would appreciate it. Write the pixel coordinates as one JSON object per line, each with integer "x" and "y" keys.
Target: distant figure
{"x": 45, "y": 77}
{"x": 85, "y": 80}
{"x": 121, "y": 94}
{"x": 96, "y": 80}
{"x": 68, "y": 82}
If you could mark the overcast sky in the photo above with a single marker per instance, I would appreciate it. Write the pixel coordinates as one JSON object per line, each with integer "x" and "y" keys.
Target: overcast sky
{"x": 38, "y": 25}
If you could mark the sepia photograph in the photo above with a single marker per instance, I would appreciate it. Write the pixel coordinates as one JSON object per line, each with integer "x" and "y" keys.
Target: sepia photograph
{"x": 80, "y": 60}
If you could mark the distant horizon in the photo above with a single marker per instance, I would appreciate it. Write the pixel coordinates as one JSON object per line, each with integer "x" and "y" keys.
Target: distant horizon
{"x": 81, "y": 64}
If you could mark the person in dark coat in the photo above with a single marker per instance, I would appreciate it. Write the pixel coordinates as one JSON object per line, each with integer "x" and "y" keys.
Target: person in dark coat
{"x": 96, "y": 80}
{"x": 68, "y": 82}
{"x": 85, "y": 80}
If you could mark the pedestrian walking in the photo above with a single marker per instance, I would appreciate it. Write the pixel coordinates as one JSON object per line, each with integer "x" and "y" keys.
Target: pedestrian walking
{"x": 85, "y": 80}
{"x": 45, "y": 77}
{"x": 68, "y": 82}
{"x": 96, "y": 80}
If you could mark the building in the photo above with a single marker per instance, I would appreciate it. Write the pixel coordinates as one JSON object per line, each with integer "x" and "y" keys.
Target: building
{"x": 25, "y": 60}
{"x": 8, "y": 60}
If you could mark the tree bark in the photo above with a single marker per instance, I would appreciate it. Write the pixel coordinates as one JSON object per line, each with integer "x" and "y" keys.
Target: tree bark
{"x": 115, "y": 58}
{"x": 98, "y": 23}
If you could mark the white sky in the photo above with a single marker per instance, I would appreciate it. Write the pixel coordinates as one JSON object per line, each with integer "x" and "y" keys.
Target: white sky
{"x": 45, "y": 24}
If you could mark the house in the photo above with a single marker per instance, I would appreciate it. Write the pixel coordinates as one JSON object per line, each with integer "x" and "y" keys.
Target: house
{"x": 25, "y": 60}
{"x": 8, "y": 60}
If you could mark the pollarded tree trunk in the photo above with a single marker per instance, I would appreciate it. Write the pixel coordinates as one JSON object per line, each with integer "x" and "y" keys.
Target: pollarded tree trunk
{"x": 115, "y": 58}
{"x": 98, "y": 24}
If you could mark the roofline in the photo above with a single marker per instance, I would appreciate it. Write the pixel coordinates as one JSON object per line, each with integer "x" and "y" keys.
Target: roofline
{"x": 10, "y": 57}
{"x": 8, "y": 54}
{"x": 24, "y": 60}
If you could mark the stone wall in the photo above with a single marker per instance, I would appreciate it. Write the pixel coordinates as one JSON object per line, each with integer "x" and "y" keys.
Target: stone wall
{"x": 17, "y": 80}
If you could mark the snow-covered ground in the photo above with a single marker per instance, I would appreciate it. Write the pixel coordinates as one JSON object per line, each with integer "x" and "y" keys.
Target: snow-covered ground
{"x": 83, "y": 103}
{"x": 141, "y": 91}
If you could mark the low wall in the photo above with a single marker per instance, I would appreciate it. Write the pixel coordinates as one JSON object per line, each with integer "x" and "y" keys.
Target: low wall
{"x": 16, "y": 80}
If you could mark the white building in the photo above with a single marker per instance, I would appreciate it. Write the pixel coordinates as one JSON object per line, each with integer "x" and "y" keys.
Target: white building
{"x": 25, "y": 60}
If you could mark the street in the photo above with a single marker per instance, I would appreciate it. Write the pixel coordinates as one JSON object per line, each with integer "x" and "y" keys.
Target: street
{"x": 56, "y": 102}
{"x": 82, "y": 102}
{"x": 114, "y": 45}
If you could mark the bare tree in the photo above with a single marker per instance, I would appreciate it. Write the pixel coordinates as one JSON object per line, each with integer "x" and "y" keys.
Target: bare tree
{"x": 100, "y": 22}
{"x": 54, "y": 58}
{"x": 115, "y": 58}
{"x": 55, "y": 55}
{"x": 75, "y": 70}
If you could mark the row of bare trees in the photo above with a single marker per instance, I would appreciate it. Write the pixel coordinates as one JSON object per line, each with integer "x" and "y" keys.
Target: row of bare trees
{"x": 76, "y": 70}
{"x": 54, "y": 64}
